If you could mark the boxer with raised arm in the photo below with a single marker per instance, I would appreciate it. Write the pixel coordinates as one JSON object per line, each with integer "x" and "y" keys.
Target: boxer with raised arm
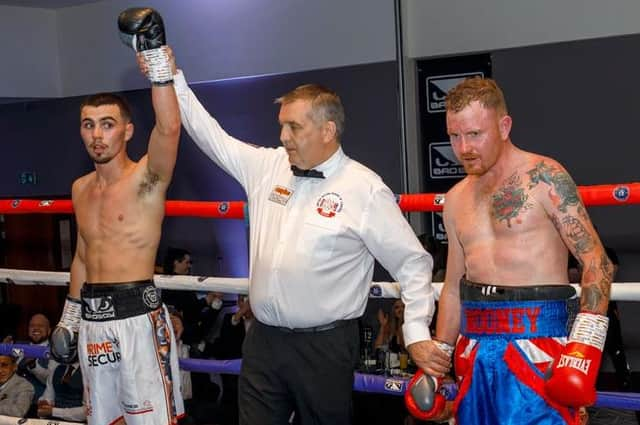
{"x": 506, "y": 303}
{"x": 113, "y": 315}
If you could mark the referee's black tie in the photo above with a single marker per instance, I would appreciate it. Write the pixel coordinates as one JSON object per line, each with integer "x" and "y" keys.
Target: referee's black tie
{"x": 307, "y": 173}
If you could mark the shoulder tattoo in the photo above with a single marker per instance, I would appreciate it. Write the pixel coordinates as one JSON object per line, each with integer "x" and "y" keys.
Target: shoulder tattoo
{"x": 566, "y": 192}
{"x": 510, "y": 200}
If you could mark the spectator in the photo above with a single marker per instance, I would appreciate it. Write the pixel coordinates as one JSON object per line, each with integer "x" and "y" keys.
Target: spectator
{"x": 198, "y": 314}
{"x": 185, "y": 375}
{"x": 228, "y": 346}
{"x": 390, "y": 334}
{"x": 36, "y": 371}
{"x": 16, "y": 392}
{"x": 63, "y": 396}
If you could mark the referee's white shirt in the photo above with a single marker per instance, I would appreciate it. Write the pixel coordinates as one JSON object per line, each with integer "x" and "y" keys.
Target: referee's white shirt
{"x": 313, "y": 241}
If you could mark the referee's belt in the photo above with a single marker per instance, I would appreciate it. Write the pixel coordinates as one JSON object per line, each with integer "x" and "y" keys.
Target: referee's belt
{"x": 333, "y": 325}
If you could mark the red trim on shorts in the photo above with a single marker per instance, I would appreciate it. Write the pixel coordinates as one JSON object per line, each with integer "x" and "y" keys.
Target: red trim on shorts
{"x": 116, "y": 420}
{"x": 169, "y": 403}
{"x": 521, "y": 369}
{"x": 140, "y": 412}
{"x": 464, "y": 382}
{"x": 549, "y": 346}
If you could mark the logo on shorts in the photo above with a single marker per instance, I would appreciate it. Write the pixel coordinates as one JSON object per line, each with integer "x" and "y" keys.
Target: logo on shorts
{"x": 329, "y": 204}
{"x": 150, "y": 297}
{"x": 438, "y": 86}
{"x": 102, "y": 353}
{"x": 443, "y": 163}
{"x": 137, "y": 408}
{"x": 15, "y": 203}
{"x": 98, "y": 308}
{"x": 375, "y": 291}
{"x": 394, "y": 385}
{"x": 621, "y": 193}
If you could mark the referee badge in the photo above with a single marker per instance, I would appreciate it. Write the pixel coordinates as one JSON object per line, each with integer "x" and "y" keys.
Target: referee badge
{"x": 280, "y": 195}
{"x": 329, "y": 204}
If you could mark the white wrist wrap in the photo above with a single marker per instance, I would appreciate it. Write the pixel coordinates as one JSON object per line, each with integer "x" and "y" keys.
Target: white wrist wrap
{"x": 448, "y": 349}
{"x": 71, "y": 314}
{"x": 158, "y": 65}
{"x": 590, "y": 329}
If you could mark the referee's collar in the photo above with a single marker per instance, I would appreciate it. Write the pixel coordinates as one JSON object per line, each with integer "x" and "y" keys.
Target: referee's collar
{"x": 332, "y": 164}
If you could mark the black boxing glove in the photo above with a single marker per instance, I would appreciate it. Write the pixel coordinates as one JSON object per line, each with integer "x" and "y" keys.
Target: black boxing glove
{"x": 63, "y": 344}
{"x": 142, "y": 29}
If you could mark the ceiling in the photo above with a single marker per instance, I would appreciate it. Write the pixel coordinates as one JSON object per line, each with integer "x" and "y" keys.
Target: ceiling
{"x": 46, "y": 4}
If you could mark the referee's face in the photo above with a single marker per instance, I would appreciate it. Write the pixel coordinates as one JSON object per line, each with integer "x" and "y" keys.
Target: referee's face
{"x": 305, "y": 140}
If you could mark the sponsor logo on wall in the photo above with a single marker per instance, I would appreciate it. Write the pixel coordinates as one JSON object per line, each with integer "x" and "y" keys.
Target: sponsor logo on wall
{"x": 443, "y": 163}
{"x": 437, "y": 227}
{"x": 439, "y": 85}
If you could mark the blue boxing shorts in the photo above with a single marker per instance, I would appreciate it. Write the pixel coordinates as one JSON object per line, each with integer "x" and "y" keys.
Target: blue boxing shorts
{"x": 509, "y": 336}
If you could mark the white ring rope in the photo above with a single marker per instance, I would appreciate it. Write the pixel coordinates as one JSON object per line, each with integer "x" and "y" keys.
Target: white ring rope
{"x": 625, "y": 291}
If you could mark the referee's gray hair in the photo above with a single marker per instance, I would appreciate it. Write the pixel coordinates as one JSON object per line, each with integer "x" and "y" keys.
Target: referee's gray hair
{"x": 325, "y": 104}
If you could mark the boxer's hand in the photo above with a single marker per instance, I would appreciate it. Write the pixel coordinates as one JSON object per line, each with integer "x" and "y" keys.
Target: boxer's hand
{"x": 142, "y": 29}
{"x": 573, "y": 375}
{"x": 430, "y": 357}
{"x": 430, "y": 399}
{"x": 144, "y": 67}
{"x": 64, "y": 338}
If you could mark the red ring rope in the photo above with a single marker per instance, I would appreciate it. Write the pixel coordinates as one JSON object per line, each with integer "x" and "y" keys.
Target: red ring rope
{"x": 597, "y": 195}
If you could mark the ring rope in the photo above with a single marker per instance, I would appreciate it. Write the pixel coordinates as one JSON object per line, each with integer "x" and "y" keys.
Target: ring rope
{"x": 594, "y": 195}
{"x": 624, "y": 291}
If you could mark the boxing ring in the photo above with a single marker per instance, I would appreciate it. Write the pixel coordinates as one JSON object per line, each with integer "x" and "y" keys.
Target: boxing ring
{"x": 597, "y": 195}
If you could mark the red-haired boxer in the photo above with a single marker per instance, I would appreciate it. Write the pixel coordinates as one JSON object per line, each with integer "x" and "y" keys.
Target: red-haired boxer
{"x": 511, "y": 223}
{"x": 113, "y": 315}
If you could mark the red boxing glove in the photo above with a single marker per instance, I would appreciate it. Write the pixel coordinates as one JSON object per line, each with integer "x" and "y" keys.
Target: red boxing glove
{"x": 573, "y": 374}
{"x": 426, "y": 397}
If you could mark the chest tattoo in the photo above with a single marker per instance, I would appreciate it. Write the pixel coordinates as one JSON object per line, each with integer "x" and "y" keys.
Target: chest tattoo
{"x": 563, "y": 191}
{"x": 510, "y": 200}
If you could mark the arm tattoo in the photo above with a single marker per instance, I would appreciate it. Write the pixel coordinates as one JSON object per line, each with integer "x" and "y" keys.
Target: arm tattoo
{"x": 510, "y": 200}
{"x": 148, "y": 183}
{"x": 578, "y": 234}
{"x": 594, "y": 294}
{"x": 566, "y": 193}
{"x": 607, "y": 267}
